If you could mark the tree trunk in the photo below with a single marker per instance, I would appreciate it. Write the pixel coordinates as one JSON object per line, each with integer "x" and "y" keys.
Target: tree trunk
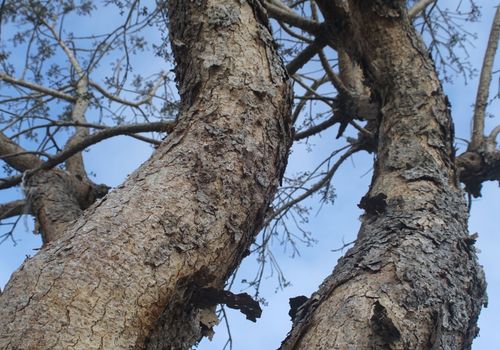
{"x": 127, "y": 268}
{"x": 412, "y": 280}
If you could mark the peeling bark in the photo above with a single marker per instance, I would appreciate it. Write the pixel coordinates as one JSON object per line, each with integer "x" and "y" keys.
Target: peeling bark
{"x": 125, "y": 271}
{"x": 412, "y": 280}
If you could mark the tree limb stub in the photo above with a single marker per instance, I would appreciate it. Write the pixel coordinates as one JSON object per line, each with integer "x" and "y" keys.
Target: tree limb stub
{"x": 208, "y": 297}
{"x": 477, "y": 167}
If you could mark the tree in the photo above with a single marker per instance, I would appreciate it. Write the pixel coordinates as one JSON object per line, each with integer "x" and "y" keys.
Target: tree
{"x": 151, "y": 257}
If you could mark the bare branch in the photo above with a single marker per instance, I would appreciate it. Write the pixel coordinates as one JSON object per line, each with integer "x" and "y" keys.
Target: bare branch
{"x": 316, "y": 129}
{"x": 309, "y": 92}
{"x": 89, "y": 141}
{"x": 71, "y": 57}
{"x": 145, "y": 100}
{"x": 16, "y": 156}
{"x": 11, "y": 209}
{"x": 75, "y": 164}
{"x": 316, "y": 187}
{"x": 484, "y": 84}
{"x": 293, "y": 34}
{"x": 318, "y": 96}
{"x": 285, "y": 14}
{"x": 35, "y": 87}
{"x": 493, "y": 135}
{"x": 86, "y": 125}
{"x": 305, "y": 56}
{"x": 419, "y": 7}
{"x": 475, "y": 168}
{"x": 9, "y": 182}
{"x": 334, "y": 79}
{"x": 103, "y": 135}
{"x": 13, "y": 155}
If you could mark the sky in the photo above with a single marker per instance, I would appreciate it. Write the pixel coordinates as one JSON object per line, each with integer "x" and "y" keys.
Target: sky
{"x": 113, "y": 160}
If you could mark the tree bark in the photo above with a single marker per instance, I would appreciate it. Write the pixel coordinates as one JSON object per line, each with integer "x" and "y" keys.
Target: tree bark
{"x": 412, "y": 280}
{"x": 55, "y": 197}
{"x": 126, "y": 270}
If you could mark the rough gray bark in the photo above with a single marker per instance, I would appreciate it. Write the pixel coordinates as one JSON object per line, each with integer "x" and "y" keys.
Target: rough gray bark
{"x": 54, "y": 197}
{"x": 412, "y": 280}
{"x": 129, "y": 265}
{"x": 57, "y": 198}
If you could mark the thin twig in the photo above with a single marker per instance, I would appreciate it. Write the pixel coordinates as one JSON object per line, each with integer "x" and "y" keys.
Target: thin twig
{"x": 145, "y": 100}
{"x": 316, "y": 187}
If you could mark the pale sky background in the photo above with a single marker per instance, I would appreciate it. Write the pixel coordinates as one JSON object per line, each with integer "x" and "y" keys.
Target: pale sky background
{"x": 114, "y": 159}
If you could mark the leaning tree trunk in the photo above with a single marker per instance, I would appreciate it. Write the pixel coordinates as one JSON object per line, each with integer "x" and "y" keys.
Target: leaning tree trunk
{"x": 412, "y": 280}
{"x": 126, "y": 270}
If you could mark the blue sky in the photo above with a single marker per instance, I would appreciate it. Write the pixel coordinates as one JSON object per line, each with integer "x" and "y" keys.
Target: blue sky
{"x": 114, "y": 159}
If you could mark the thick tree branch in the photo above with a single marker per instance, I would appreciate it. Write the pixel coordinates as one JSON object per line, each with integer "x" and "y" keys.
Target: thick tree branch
{"x": 22, "y": 160}
{"x": 285, "y": 14}
{"x": 484, "y": 85}
{"x": 13, "y": 208}
{"x": 8, "y": 182}
{"x": 493, "y": 135}
{"x": 334, "y": 79}
{"x": 317, "y": 128}
{"x": 306, "y": 55}
{"x": 75, "y": 164}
